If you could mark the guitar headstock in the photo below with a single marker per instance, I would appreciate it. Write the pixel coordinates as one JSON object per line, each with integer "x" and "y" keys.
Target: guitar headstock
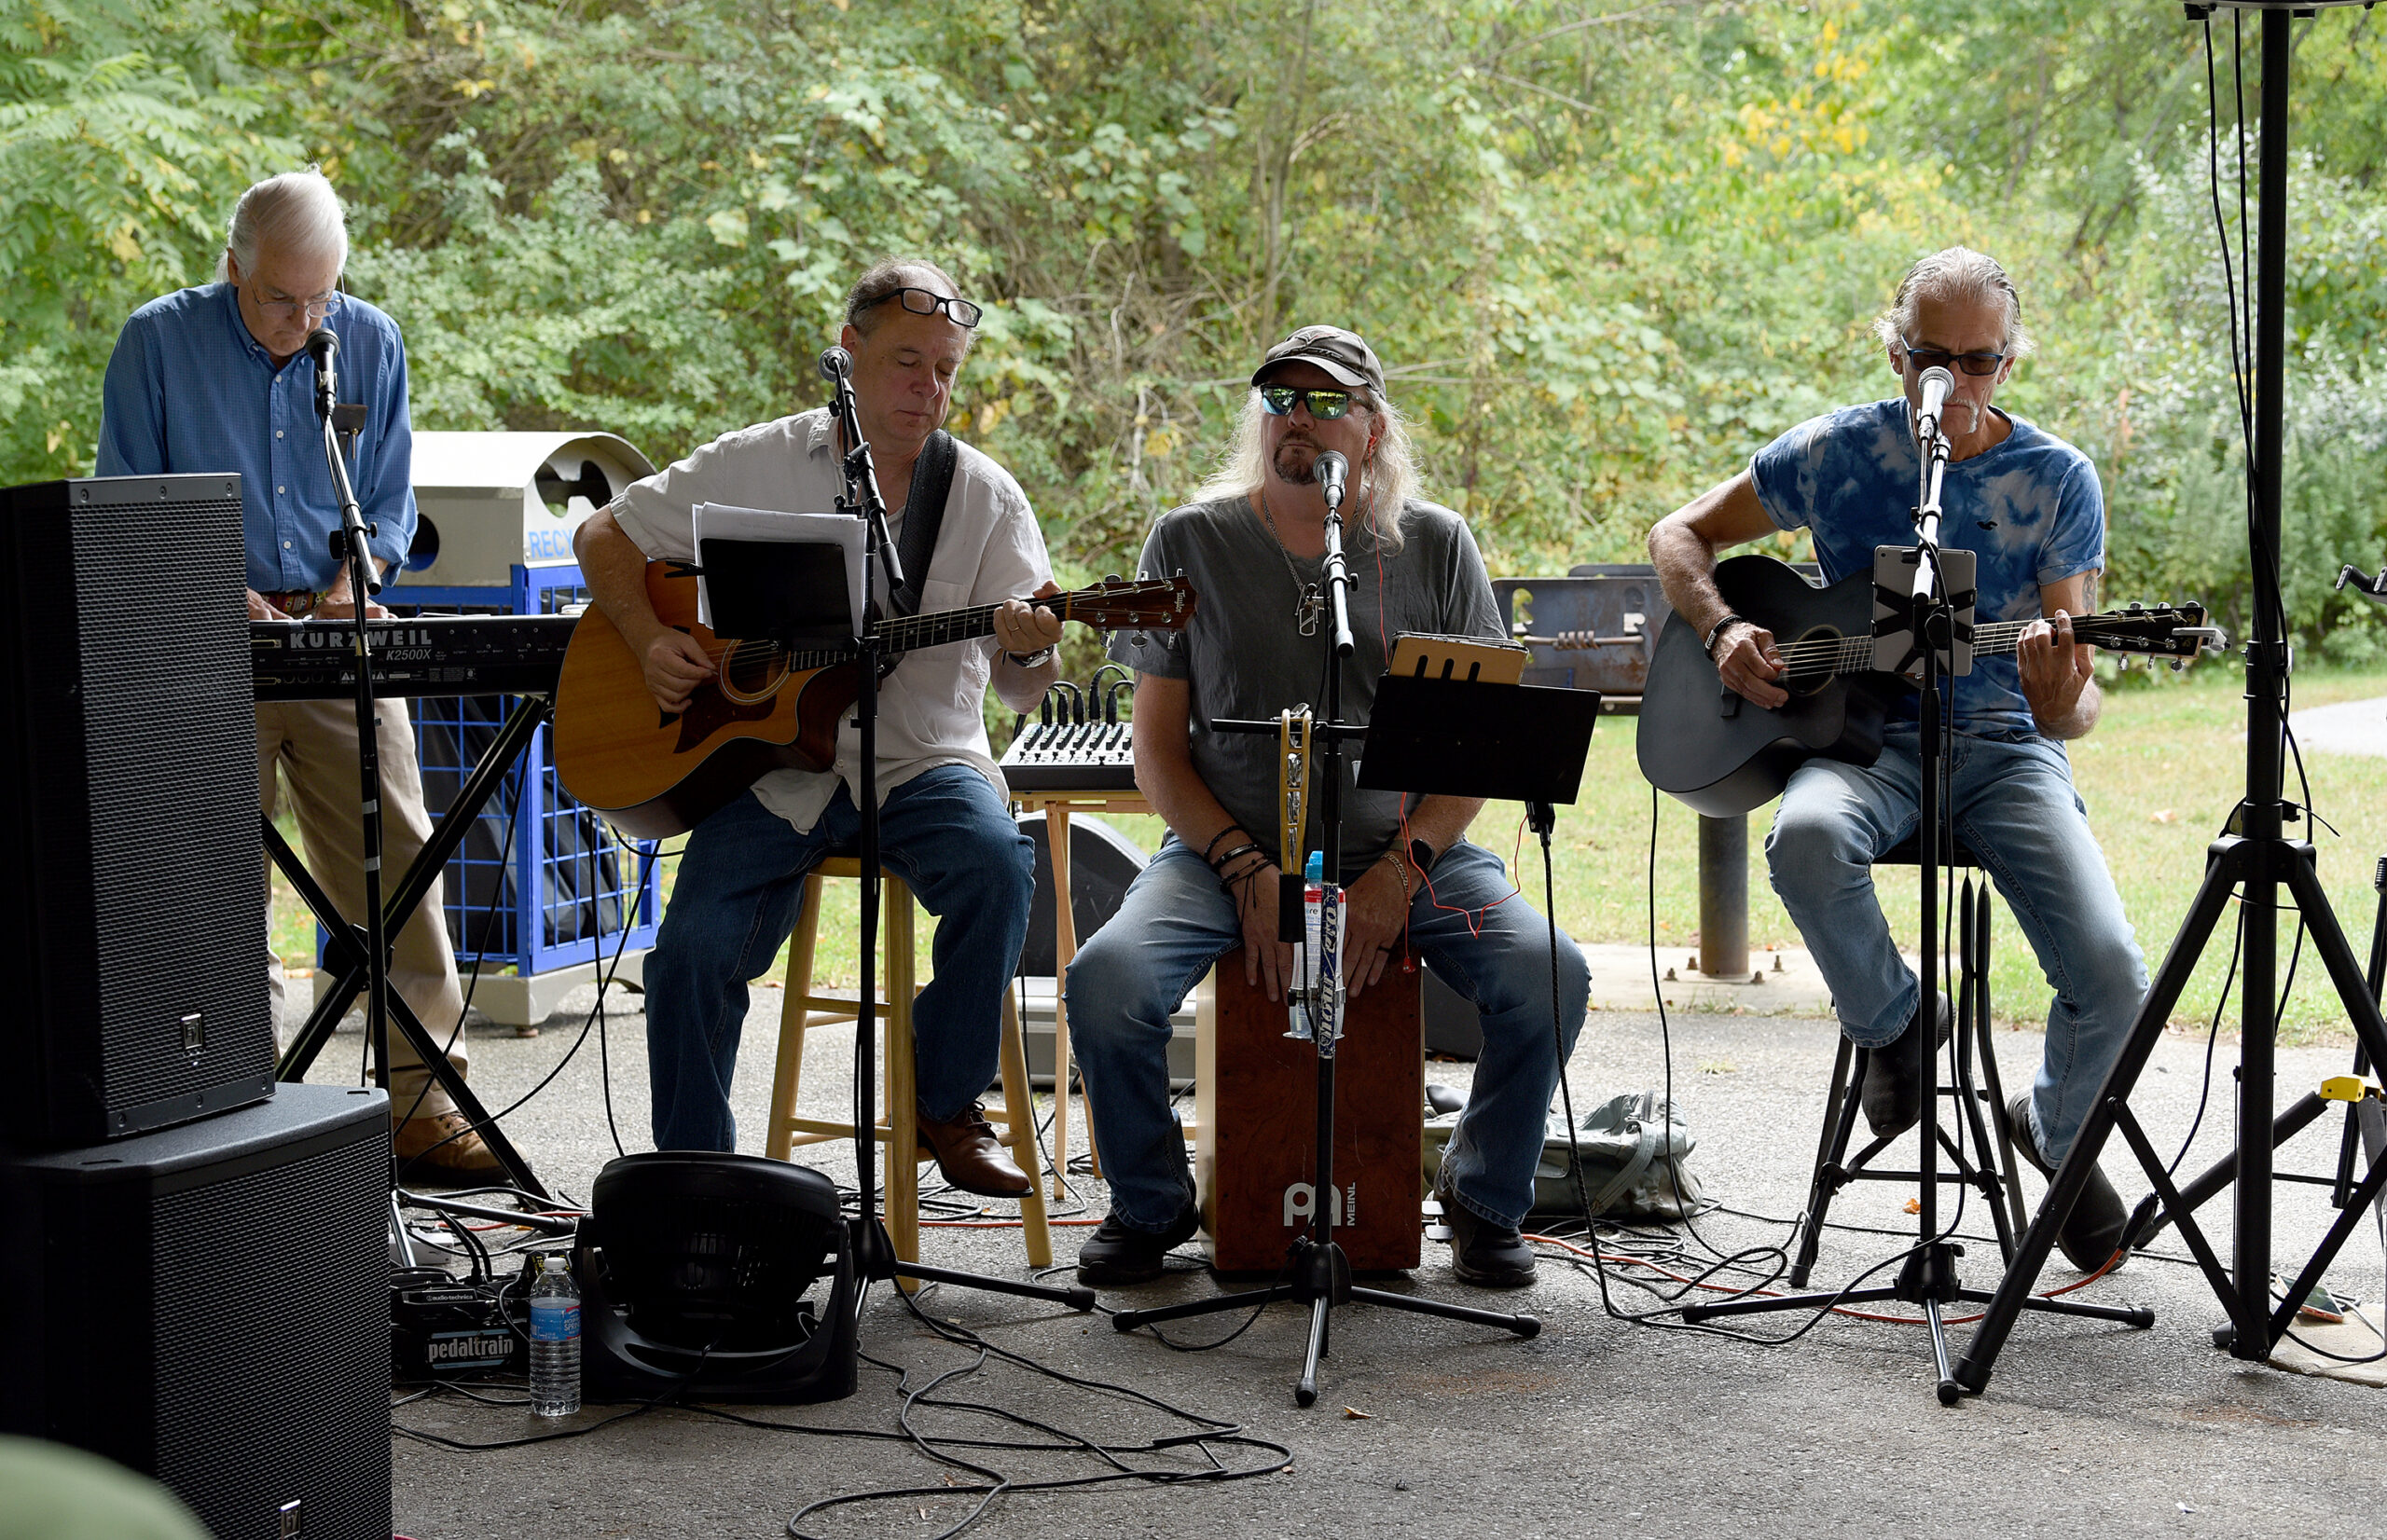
{"x": 2157, "y": 630}
{"x": 1123, "y": 604}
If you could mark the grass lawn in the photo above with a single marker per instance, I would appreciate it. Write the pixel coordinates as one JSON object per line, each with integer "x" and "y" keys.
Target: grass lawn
{"x": 2160, "y": 774}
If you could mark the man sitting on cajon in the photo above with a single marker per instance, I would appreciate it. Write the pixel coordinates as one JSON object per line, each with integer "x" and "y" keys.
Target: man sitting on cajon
{"x": 1252, "y": 545}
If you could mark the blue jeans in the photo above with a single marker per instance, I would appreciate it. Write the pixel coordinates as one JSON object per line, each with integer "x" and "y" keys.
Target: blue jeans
{"x": 945, "y": 832}
{"x": 1175, "y": 923}
{"x": 2015, "y": 807}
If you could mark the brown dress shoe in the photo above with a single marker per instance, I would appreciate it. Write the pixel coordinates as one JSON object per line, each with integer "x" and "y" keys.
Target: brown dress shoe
{"x": 966, "y": 1151}
{"x": 445, "y": 1141}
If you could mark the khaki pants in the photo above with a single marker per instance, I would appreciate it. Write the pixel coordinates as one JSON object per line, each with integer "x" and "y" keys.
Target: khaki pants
{"x": 313, "y": 743}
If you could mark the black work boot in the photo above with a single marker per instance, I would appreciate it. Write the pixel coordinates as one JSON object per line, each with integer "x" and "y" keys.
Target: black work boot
{"x": 1891, "y": 1102}
{"x": 2091, "y": 1234}
{"x": 1118, "y": 1256}
{"x": 1482, "y": 1253}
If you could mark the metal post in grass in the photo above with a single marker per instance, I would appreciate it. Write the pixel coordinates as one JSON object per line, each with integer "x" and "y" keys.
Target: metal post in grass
{"x": 1724, "y": 896}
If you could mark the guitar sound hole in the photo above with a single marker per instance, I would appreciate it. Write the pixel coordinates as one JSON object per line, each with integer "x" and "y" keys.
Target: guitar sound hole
{"x": 1810, "y": 671}
{"x": 752, "y": 671}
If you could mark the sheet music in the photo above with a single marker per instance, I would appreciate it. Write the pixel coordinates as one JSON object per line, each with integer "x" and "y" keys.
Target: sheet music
{"x": 726, "y": 521}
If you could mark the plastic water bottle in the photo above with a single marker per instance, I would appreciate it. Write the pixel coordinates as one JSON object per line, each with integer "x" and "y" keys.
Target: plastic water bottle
{"x": 1313, "y": 916}
{"x": 555, "y": 1341}
{"x": 1304, "y": 985}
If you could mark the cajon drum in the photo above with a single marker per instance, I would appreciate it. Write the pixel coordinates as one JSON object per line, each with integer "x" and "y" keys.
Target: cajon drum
{"x": 1255, "y": 1151}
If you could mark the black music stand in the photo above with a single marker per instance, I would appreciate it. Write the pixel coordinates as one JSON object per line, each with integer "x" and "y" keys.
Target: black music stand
{"x": 2256, "y": 854}
{"x": 1426, "y": 735}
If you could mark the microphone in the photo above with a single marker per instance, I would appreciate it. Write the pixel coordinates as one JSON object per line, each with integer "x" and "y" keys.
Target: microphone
{"x": 837, "y": 364}
{"x": 1937, "y": 384}
{"x": 323, "y": 346}
{"x": 1332, "y": 468}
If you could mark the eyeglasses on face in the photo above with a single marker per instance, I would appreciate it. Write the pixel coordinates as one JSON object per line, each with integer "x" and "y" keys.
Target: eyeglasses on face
{"x": 929, "y": 302}
{"x": 1936, "y": 358}
{"x": 1324, "y": 405}
{"x": 321, "y": 306}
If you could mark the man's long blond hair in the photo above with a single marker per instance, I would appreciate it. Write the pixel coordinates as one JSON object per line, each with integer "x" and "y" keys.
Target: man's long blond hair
{"x": 1386, "y": 483}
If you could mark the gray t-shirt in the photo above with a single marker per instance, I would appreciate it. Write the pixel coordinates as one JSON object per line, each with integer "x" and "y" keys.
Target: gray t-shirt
{"x": 1244, "y": 656}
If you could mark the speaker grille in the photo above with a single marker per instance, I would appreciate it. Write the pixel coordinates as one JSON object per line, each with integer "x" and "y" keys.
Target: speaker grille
{"x": 130, "y": 775}
{"x": 170, "y": 729}
{"x": 272, "y": 1358}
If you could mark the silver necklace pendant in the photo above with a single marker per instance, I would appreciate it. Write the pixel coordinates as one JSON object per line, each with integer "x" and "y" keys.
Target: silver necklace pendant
{"x": 1309, "y": 609}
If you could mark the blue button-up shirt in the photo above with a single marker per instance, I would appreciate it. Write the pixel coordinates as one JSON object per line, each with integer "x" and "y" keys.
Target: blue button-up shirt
{"x": 189, "y": 390}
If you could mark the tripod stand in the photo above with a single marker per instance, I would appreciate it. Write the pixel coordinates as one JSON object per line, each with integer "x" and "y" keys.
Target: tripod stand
{"x": 2255, "y": 854}
{"x": 874, "y": 1249}
{"x": 1935, "y": 586}
{"x": 1317, "y": 1274}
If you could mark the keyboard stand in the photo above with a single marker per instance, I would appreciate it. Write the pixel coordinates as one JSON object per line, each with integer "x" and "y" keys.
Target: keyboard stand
{"x": 344, "y": 951}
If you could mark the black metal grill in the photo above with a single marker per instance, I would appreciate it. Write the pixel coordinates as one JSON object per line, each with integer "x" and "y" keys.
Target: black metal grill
{"x": 136, "y": 777}
{"x": 286, "y": 1268}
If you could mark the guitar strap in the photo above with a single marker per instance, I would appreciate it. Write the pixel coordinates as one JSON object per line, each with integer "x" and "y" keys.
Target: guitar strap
{"x": 923, "y": 516}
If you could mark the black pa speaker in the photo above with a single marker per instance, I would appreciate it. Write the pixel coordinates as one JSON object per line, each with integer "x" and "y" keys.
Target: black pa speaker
{"x": 209, "y": 1305}
{"x": 132, "y": 924}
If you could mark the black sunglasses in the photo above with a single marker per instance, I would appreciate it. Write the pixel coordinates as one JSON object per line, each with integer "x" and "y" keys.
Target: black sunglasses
{"x": 1934, "y": 358}
{"x": 1324, "y": 405}
{"x": 927, "y": 302}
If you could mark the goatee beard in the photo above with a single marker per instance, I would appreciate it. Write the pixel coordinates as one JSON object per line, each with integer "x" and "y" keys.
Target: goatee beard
{"x": 1291, "y": 468}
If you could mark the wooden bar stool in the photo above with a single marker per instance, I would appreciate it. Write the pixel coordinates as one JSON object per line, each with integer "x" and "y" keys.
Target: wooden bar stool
{"x": 897, "y": 1124}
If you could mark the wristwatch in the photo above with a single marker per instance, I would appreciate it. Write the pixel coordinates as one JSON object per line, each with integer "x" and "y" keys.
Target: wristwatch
{"x": 1421, "y": 855}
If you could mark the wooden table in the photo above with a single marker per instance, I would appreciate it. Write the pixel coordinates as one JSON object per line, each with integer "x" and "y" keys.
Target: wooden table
{"x": 1057, "y": 806}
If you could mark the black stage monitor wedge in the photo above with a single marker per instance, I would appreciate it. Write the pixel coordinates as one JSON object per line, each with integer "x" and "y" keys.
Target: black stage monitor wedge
{"x": 209, "y": 1305}
{"x": 132, "y": 922}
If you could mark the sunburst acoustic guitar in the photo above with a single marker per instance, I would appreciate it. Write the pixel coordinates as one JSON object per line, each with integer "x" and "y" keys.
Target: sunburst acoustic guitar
{"x": 655, "y": 773}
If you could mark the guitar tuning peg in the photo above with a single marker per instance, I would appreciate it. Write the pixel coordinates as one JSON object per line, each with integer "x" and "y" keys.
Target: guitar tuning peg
{"x": 1111, "y": 581}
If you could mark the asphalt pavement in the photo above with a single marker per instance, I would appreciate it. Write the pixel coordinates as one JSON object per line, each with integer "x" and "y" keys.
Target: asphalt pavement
{"x": 1600, "y": 1425}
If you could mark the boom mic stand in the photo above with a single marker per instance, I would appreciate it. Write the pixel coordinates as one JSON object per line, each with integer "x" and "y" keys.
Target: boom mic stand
{"x": 1319, "y": 1274}
{"x": 2256, "y": 856}
{"x": 874, "y": 1249}
{"x": 1923, "y": 608}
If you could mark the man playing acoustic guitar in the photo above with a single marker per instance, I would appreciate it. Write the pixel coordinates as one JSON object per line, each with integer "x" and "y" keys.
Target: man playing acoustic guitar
{"x": 944, "y": 821}
{"x": 2030, "y": 506}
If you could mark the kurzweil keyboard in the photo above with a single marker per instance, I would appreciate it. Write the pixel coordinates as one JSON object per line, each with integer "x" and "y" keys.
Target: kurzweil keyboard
{"x": 431, "y": 656}
{"x": 1065, "y": 756}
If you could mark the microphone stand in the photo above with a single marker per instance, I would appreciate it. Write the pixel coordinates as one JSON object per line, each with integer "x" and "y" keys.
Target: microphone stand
{"x": 350, "y": 545}
{"x": 1318, "y": 1272}
{"x": 859, "y": 497}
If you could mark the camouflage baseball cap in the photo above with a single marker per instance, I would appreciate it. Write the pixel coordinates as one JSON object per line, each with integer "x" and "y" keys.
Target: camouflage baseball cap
{"x": 1350, "y": 362}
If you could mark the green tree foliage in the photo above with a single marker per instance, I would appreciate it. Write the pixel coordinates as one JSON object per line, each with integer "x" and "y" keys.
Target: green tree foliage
{"x": 1606, "y": 247}
{"x": 127, "y": 129}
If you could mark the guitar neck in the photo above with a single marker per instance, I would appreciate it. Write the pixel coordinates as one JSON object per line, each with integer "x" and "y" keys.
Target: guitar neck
{"x": 1996, "y": 639}
{"x": 911, "y": 633}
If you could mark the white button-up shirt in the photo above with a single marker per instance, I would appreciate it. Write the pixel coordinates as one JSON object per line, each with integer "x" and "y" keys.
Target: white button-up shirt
{"x": 931, "y": 709}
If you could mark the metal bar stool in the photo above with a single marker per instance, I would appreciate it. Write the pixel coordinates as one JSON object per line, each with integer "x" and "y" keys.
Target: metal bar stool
{"x": 1835, "y": 1170}
{"x": 803, "y": 1008}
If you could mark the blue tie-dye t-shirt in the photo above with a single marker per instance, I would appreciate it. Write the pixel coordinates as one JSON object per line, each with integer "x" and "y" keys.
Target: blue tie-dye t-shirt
{"x": 2030, "y": 508}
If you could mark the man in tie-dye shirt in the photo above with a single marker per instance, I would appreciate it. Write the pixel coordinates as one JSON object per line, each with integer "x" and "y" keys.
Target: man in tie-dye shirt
{"x": 2029, "y": 505}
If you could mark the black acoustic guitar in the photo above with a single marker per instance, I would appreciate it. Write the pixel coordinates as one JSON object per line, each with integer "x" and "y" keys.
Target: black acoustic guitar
{"x": 1706, "y": 746}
